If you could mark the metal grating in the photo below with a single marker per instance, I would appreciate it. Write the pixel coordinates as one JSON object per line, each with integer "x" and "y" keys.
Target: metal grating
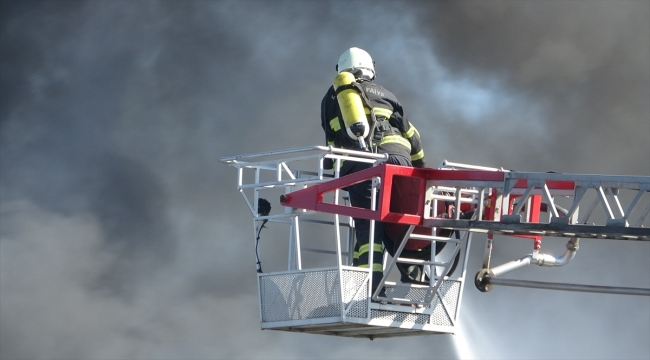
{"x": 298, "y": 296}
{"x": 451, "y": 291}
{"x": 312, "y": 294}
{"x": 420, "y": 294}
{"x": 397, "y": 316}
{"x": 352, "y": 281}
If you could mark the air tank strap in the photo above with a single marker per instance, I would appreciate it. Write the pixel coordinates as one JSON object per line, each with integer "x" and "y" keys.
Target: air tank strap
{"x": 381, "y": 128}
{"x": 384, "y": 126}
{"x": 353, "y": 86}
{"x": 373, "y": 118}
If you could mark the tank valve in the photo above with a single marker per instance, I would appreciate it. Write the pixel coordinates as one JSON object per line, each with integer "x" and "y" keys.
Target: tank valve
{"x": 359, "y": 130}
{"x": 482, "y": 280}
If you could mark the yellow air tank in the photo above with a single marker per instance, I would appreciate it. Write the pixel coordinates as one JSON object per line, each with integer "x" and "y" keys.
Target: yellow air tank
{"x": 354, "y": 116}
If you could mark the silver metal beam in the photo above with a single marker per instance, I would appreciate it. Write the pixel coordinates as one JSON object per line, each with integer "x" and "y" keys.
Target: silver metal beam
{"x": 552, "y": 229}
{"x": 568, "y": 287}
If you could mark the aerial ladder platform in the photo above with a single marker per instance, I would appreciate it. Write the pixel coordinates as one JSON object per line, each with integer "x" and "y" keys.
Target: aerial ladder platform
{"x": 319, "y": 291}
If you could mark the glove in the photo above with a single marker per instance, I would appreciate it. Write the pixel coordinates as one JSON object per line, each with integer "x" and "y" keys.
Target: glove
{"x": 328, "y": 163}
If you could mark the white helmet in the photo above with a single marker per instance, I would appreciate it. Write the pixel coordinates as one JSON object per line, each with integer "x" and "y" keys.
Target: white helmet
{"x": 354, "y": 60}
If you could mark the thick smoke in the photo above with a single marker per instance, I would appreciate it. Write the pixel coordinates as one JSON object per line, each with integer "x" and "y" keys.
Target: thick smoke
{"x": 122, "y": 236}
{"x": 573, "y": 79}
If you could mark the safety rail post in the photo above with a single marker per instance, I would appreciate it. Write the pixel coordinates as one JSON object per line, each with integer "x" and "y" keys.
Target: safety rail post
{"x": 371, "y": 242}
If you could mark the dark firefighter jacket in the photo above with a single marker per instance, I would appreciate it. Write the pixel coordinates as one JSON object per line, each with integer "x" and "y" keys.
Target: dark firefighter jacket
{"x": 394, "y": 134}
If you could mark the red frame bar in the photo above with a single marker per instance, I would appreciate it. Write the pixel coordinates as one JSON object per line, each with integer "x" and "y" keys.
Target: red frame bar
{"x": 408, "y": 185}
{"x": 311, "y": 198}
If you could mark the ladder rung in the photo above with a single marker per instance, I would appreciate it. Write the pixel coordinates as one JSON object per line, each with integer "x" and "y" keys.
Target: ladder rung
{"x": 321, "y": 251}
{"x": 433, "y": 238}
{"x": 401, "y": 301}
{"x": 420, "y": 262}
{"x": 413, "y": 286}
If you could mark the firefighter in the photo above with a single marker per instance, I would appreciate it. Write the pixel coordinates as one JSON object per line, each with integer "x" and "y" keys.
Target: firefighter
{"x": 390, "y": 132}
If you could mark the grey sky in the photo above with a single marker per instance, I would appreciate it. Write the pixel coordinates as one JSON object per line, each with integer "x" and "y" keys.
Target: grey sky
{"x": 123, "y": 237}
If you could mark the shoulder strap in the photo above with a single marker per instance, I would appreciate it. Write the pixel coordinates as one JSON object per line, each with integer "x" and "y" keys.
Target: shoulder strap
{"x": 373, "y": 118}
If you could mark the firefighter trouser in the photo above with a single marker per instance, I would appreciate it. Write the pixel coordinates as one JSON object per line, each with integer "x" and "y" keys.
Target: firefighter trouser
{"x": 360, "y": 196}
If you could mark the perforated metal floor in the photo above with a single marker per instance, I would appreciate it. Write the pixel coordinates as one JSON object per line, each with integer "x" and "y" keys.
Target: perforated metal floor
{"x": 311, "y": 301}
